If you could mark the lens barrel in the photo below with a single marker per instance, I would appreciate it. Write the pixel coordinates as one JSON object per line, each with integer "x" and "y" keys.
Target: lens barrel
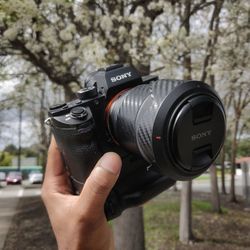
{"x": 178, "y": 126}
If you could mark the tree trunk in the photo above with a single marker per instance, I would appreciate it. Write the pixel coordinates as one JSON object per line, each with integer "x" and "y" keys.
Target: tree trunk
{"x": 246, "y": 183}
{"x": 20, "y": 135}
{"x": 129, "y": 231}
{"x": 232, "y": 185}
{"x": 234, "y": 148}
{"x": 44, "y": 140}
{"x": 185, "y": 224}
{"x": 223, "y": 186}
{"x": 175, "y": 187}
{"x": 69, "y": 94}
{"x": 215, "y": 197}
{"x": 185, "y": 229}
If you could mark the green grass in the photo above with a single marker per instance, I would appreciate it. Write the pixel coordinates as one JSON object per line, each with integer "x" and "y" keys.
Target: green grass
{"x": 206, "y": 177}
{"x": 161, "y": 220}
{"x": 201, "y": 206}
{"x": 169, "y": 207}
{"x": 163, "y": 207}
{"x": 204, "y": 206}
{"x": 203, "y": 178}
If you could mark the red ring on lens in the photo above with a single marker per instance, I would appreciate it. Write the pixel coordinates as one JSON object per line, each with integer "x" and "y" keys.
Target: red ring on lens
{"x": 107, "y": 111}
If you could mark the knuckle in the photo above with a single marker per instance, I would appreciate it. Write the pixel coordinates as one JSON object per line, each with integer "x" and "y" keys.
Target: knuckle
{"x": 90, "y": 221}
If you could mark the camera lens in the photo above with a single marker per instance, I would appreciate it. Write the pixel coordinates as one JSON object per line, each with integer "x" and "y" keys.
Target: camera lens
{"x": 178, "y": 126}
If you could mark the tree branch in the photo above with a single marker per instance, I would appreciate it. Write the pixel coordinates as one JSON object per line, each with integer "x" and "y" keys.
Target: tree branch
{"x": 197, "y": 7}
{"x": 43, "y": 65}
{"x": 212, "y": 41}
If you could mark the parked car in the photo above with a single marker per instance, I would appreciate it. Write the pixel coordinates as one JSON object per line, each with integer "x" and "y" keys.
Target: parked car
{"x": 35, "y": 177}
{"x": 2, "y": 176}
{"x": 14, "y": 177}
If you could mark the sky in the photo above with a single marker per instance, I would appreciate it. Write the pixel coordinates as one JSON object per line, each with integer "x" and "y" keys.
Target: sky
{"x": 9, "y": 129}
{"x": 9, "y": 120}
{"x": 6, "y": 87}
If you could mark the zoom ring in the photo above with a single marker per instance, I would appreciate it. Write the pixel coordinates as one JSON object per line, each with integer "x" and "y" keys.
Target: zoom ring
{"x": 147, "y": 114}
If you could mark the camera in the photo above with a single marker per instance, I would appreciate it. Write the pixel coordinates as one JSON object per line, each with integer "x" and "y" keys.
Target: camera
{"x": 164, "y": 130}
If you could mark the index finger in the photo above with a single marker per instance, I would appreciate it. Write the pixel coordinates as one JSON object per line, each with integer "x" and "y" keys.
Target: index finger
{"x": 55, "y": 165}
{"x": 56, "y": 179}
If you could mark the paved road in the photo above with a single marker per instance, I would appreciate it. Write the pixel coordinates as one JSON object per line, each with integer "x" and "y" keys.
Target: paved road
{"x": 7, "y": 210}
{"x": 204, "y": 185}
{"x": 9, "y": 196}
{"x": 18, "y": 191}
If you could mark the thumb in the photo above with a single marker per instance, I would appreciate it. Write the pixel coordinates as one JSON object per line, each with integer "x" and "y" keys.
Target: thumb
{"x": 99, "y": 184}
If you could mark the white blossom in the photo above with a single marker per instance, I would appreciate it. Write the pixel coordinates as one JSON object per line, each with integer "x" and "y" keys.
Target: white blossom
{"x": 11, "y": 33}
{"x": 117, "y": 13}
{"x": 122, "y": 30}
{"x": 65, "y": 35}
{"x": 156, "y": 5}
{"x": 106, "y": 23}
{"x": 69, "y": 55}
{"x": 49, "y": 37}
{"x": 139, "y": 13}
{"x": 126, "y": 46}
{"x": 74, "y": 86}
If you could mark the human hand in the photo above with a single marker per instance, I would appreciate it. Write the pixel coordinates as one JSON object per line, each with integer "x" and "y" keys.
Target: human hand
{"x": 79, "y": 222}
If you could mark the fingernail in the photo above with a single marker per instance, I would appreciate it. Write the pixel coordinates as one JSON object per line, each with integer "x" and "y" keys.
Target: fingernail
{"x": 111, "y": 162}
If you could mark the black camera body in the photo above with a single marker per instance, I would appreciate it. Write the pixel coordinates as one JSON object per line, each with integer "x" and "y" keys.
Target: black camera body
{"x": 164, "y": 130}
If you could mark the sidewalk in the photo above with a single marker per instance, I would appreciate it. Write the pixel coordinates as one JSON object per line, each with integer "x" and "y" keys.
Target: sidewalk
{"x": 9, "y": 199}
{"x": 30, "y": 227}
{"x": 7, "y": 211}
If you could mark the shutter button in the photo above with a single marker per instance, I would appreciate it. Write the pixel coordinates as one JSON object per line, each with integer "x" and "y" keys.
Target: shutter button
{"x": 79, "y": 113}
{"x": 87, "y": 93}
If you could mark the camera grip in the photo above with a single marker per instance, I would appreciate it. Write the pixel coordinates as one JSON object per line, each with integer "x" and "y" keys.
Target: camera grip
{"x": 80, "y": 152}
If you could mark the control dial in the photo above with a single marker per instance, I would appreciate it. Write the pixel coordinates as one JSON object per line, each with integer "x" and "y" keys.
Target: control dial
{"x": 79, "y": 113}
